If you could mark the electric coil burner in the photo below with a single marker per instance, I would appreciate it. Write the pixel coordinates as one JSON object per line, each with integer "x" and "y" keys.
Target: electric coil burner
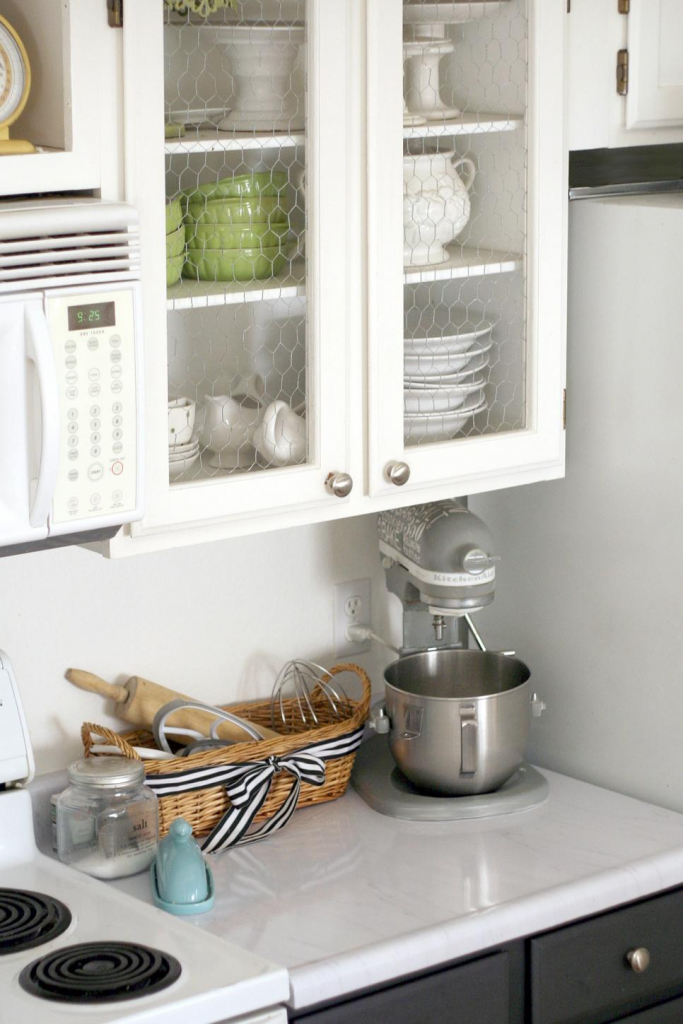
{"x": 29, "y": 919}
{"x": 97, "y": 972}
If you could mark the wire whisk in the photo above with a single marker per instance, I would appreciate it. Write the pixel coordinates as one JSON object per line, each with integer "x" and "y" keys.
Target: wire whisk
{"x": 303, "y": 695}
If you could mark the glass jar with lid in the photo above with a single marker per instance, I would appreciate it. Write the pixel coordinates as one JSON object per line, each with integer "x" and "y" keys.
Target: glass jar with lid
{"x": 107, "y": 819}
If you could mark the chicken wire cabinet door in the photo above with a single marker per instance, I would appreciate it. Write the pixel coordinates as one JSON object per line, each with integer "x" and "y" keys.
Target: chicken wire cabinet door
{"x": 238, "y": 160}
{"x": 466, "y": 214}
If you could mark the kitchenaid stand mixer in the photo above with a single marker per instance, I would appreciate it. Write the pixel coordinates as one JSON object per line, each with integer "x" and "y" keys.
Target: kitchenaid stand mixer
{"x": 454, "y": 722}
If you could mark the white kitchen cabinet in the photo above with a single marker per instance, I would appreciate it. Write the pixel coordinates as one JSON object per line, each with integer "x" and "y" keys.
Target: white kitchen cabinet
{"x": 650, "y": 32}
{"x": 71, "y": 115}
{"x": 325, "y": 333}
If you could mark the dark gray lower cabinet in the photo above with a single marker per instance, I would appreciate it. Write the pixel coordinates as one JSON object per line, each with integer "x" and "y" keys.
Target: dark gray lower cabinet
{"x": 474, "y": 993}
{"x": 578, "y": 974}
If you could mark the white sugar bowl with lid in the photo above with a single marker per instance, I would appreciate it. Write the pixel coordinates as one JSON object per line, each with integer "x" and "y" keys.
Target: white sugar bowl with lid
{"x": 107, "y": 819}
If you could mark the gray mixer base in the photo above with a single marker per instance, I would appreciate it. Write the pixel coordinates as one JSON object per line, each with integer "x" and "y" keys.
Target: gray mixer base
{"x": 386, "y": 789}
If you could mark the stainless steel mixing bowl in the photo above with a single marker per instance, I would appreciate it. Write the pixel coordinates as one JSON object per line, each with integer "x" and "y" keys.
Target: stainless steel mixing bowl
{"x": 459, "y": 720}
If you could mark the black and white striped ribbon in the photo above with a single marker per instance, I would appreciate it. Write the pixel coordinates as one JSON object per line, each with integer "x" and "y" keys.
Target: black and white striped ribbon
{"x": 248, "y": 785}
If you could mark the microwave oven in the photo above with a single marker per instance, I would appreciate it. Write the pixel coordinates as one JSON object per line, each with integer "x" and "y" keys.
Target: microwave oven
{"x": 71, "y": 366}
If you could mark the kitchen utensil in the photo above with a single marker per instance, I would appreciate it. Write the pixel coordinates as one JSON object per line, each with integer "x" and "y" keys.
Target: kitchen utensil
{"x": 201, "y": 746}
{"x": 204, "y": 808}
{"x": 267, "y": 75}
{"x": 281, "y": 437}
{"x": 175, "y": 243}
{"x": 303, "y": 685}
{"x": 161, "y": 727}
{"x": 436, "y": 204}
{"x": 442, "y": 399}
{"x": 181, "y": 416}
{"x": 264, "y": 210}
{"x": 437, "y": 362}
{"x": 174, "y": 215}
{"x": 441, "y": 426}
{"x": 174, "y": 269}
{"x": 15, "y": 76}
{"x": 138, "y": 700}
{"x": 236, "y": 264}
{"x": 228, "y": 428}
{"x": 459, "y": 719}
{"x": 235, "y": 236}
{"x": 182, "y": 883}
{"x": 240, "y": 186}
{"x": 144, "y": 753}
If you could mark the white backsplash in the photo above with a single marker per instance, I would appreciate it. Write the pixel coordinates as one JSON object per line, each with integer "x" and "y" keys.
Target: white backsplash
{"x": 214, "y": 621}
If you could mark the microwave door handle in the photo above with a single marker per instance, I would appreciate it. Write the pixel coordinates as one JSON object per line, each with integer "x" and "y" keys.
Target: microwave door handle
{"x": 39, "y": 350}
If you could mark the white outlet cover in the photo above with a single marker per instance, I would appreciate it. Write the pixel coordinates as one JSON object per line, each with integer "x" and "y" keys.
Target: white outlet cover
{"x": 344, "y": 648}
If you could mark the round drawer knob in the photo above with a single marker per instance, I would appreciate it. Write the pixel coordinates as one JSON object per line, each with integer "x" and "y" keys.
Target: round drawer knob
{"x": 398, "y": 473}
{"x": 639, "y": 959}
{"x": 339, "y": 484}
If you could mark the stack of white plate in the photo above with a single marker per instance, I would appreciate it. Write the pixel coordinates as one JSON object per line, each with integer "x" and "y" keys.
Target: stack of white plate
{"x": 182, "y": 456}
{"x": 446, "y": 358}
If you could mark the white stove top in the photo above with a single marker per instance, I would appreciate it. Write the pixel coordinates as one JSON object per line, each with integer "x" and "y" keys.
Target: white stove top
{"x": 218, "y": 981}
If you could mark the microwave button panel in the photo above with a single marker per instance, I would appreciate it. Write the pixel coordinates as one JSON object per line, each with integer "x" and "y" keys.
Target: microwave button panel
{"x": 94, "y": 342}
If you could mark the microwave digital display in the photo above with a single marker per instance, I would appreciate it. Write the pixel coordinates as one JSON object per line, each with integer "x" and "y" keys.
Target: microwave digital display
{"x": 99, "y": 314}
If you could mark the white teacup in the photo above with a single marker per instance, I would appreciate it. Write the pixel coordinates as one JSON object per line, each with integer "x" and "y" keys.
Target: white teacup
{"x": 181, "y": 414}
{"x": 281, "y": 436}
{"x": 227, "y": 429}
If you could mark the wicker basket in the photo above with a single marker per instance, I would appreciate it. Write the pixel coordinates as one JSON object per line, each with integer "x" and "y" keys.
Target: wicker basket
{"x": 204, "y": 808}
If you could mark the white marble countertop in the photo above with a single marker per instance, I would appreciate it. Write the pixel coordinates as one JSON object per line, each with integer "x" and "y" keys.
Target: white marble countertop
{"x": 346, "y": 898}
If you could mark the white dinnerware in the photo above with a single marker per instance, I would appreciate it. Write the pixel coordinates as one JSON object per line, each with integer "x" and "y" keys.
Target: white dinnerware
{"x": 441, "y": 426}
{"x": 440, "y": 361}
{"x": 436, "y": 204}
{"x": 181, "y": 416}
{"x": 281, "y": 437}
{"x": 422, "y": 90}
{"x": 228, "y": 428}
{"x": 443, "y": 399}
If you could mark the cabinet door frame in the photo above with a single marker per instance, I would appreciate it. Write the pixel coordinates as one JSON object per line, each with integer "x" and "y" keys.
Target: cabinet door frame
{"x": 471, "y": 463}
{"x": 649, "y": 104}
{"x": 331, "y": 152}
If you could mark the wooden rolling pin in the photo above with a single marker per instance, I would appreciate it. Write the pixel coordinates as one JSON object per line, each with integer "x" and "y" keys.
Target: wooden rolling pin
{"x": 138, "y": 700}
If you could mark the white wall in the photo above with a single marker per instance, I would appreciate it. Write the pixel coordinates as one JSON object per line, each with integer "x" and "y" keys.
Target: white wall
{"x": 214, "y": 621}
{"x": 590, "y": 588}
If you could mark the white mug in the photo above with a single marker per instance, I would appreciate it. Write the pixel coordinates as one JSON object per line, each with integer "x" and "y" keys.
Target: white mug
{"x": 281, "y": 436}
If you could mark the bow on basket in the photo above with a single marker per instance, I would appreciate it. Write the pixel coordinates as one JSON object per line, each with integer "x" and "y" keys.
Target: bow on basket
{"x": 248, "y": 784}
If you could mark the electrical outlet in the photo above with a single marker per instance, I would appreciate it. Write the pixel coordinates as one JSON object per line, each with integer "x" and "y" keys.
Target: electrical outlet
{"x": 351, "y": 605}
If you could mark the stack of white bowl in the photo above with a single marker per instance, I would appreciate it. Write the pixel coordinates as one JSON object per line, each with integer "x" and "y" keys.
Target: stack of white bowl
{"x": 183, "y": 445}
{"x": 446, "y": 359}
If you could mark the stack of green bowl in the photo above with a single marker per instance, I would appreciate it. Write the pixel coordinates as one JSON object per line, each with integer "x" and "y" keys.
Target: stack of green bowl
{"x": 237, "y": 229}
{"x": 175, "y": 241}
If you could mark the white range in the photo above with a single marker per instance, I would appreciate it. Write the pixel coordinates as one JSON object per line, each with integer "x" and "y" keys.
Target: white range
{"x": 73, "y": 949}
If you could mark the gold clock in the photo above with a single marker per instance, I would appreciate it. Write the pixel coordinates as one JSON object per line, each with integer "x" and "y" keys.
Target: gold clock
{"x": 15, "y": 85}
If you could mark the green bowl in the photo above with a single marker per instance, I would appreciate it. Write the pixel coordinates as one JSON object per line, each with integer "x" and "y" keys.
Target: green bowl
{"x": 235, "y": 236}
{"x": 174, "y": 215}
{"x": 175, "y": 243}
{"x": 241, "y": 186}
{"x": 174, "y": 268}
{"x": 268, "y": 210}
{"x": 235, "y": 264}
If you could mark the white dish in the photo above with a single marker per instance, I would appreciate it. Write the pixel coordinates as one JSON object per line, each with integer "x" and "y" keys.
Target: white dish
{"x": 182, "y": 449}
{"x": 448, "y": 325}
{"x": 178, "y": 466}
{"x": 446, "y": 380}
{"x": 437, "y": 363}
{"x": 441, "y": 426}
{"x": 448, "y": 399}
{"x": 181, "y": 414}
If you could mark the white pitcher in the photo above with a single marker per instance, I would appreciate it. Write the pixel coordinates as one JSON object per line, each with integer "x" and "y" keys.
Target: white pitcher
{"x": 280, "y": 438}
{"x": 436, "y": 205}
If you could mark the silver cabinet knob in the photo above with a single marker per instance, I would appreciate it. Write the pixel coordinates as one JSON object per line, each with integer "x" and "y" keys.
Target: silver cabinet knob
{"x": 398, "y": 473}
{"x": 639, "y": 959}
{"x": 339, "y": 484}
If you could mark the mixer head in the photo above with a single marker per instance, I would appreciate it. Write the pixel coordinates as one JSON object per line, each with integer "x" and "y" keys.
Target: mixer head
{"x": 439, "y": 554}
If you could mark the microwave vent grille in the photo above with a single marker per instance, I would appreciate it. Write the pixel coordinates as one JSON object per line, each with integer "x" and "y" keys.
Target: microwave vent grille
{"x": 47, "y": 245}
